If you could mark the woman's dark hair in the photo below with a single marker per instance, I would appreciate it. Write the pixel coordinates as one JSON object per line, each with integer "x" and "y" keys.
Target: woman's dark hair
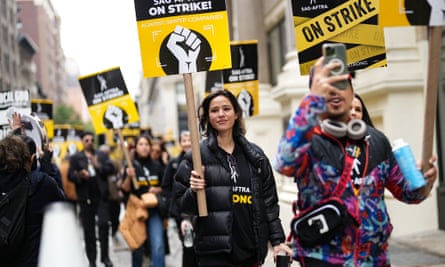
{"x": 29, "y": 143}
{"x": 143, "y": 136}
{"x": 14, "y": 153}
{"x": 31, "y": 147}
{"x": 365, "y": 114}
{"x": 203, "y": 114}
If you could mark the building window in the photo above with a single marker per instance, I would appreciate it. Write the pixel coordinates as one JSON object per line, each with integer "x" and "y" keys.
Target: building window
{"x": 11, "y": 16}
{"x": 13, "y": 71}
{"x": 4, "y": 8}
{"x": 5, "y": 35}
{"x": 276, "y": 45}
{"x": 7, "y": 65}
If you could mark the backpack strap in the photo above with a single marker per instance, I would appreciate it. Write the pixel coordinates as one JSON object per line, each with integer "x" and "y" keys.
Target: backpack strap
{"x": 346, "y": 174}
{"x": 347, "y": 167}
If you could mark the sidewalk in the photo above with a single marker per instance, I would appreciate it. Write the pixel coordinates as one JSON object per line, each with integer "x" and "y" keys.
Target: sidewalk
{"x": 420, "y": 250}
{"x": 426, "y": 249}
{"x": 121, "y": 256}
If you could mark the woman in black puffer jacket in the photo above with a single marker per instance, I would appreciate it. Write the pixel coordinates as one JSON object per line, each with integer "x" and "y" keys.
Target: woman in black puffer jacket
{"x": 242, "y": 202}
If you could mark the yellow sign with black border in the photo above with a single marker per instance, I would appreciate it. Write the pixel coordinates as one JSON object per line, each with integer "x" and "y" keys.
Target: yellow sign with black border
{"x": 412, "y": 12}
{"x": 108, "y": 100}
{"x": 66, "y": 141}
{"x": 43, "y": 108}
{"x": 242, "y": 78}
{"x": 352, "y": 22}
{"x": 182, "y": 36}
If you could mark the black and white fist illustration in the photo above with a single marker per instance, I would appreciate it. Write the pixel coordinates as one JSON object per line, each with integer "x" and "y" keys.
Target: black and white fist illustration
{"x": 185, "y": 45}
{"x": 115, "y": 116}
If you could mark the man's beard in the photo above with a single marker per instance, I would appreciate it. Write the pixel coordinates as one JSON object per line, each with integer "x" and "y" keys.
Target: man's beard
{"x": 337, "y": 116}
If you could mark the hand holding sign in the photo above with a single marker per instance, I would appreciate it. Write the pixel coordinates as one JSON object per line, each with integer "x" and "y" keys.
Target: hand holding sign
{"x": 185, "y": 46}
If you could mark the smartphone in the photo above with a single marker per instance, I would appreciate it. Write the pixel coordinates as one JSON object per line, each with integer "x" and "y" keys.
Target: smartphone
{"x": 336, "y": 52}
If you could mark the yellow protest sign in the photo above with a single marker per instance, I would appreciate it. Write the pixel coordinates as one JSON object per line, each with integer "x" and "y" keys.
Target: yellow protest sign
{"x": 352, "y": 22}
{"x": 412, "y": 12}
{"x": 109, "y": 104}
{"x": 66, "y": 141}
{"x": 242, "y": 78}
{"x": 178, "y": 36}
{"x": 43, "y": 108}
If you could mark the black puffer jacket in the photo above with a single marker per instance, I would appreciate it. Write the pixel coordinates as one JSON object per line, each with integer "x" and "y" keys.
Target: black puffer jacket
{"x": 213, "y": 232}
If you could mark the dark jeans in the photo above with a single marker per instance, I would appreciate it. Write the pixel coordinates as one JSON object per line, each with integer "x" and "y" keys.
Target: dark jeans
{"x": 115, "y": 210}
{"x": 88, "y": 212}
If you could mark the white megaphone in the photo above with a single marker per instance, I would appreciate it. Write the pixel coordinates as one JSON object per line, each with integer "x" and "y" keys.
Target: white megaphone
{"x": 61, "y": 243}
{"x": 33, "y": 127}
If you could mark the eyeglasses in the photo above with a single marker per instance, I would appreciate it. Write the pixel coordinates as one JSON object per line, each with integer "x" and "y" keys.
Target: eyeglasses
{"x": 234, "y": 173}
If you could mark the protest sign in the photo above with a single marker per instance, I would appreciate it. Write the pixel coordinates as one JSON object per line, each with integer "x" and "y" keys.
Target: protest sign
{"x": 242, "y": 78}
{"x": 352, "y": 22}
{"x": 58, "y": 143}
{"x": 214, "y": 81}
{"x": 66, "y": 141}
{"x": 180, "y": 36}
{"x": 12, "y": 101}
{"x": 412, "y": 12}
{"x": 430, "y": 13}
{"x": 43, "y": 108}
{"x": 109, "y": 104}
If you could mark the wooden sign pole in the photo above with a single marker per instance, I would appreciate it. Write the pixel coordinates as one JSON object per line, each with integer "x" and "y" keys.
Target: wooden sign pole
{"x": 127, "y": 156}
{"x": 431, "y": 90}
{"x": 196, "y": 152}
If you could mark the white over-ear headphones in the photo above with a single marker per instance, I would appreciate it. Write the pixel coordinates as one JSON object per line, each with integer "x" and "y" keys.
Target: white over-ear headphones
{"x": 355, "y": 129}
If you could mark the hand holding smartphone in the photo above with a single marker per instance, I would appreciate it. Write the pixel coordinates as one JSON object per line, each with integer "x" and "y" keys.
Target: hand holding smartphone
{"x": 336, "y": 53}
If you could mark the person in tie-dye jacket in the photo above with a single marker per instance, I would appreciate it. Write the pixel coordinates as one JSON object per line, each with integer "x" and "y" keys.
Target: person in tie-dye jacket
{"x": 314, "y": 157}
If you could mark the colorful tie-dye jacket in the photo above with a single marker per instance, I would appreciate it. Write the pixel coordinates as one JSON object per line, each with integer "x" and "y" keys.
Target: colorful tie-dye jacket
{"x": 316, "y": 163}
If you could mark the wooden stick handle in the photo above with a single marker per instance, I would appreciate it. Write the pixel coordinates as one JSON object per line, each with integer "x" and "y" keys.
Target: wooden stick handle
{"x": 431, "y": 91}
{"x": 196, "y": 152}
{"x": 127, "y": 156}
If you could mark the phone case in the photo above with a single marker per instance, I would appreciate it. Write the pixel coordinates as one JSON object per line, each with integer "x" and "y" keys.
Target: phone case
{"x": 336, "y": 52}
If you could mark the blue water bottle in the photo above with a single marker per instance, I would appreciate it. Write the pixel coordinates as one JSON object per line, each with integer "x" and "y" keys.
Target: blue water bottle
{"x": 407, "y": 163}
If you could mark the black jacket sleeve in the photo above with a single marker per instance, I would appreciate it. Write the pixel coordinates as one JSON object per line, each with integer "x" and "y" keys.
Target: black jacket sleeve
{"x": 185, "y": 197}
{"x": 77, "y": 163}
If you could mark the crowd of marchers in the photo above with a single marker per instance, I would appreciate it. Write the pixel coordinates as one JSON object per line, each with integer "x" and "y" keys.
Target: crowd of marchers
{"x": 330, "y": 148}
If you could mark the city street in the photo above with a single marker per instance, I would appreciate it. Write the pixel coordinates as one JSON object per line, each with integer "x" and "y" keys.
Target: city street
{"x": 426, "y": 249}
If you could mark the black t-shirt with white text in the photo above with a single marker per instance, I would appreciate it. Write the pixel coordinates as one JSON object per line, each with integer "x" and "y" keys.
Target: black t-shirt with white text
{"x": 243, "y": 243}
